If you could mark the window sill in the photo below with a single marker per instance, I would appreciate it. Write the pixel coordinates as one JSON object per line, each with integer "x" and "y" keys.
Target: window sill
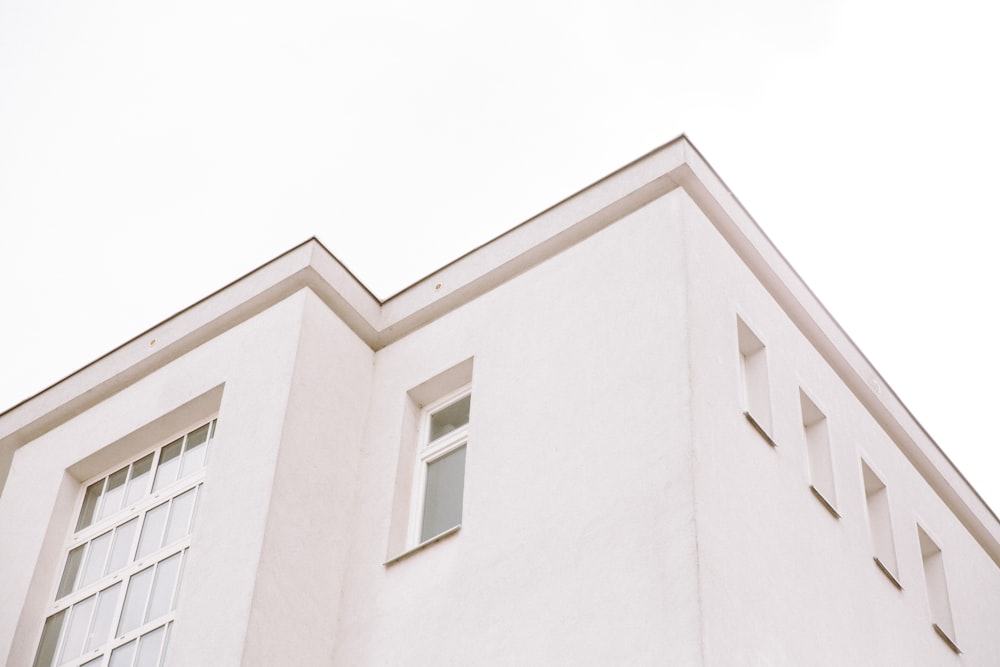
{"x": 885, "y": 570}
{"x": 826, "y": 503}
{"x": 423, "y": 545}
{"x": 760, "y": 429}
{"x": 947, "y": 640}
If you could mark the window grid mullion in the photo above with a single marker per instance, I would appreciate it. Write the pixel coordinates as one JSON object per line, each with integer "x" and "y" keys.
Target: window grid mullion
{"x": 111, "y": 525}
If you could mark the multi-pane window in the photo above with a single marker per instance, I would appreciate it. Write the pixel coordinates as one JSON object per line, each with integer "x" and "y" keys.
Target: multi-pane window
{"x": 441, "y": 466}
{"x": 114, "y": 605}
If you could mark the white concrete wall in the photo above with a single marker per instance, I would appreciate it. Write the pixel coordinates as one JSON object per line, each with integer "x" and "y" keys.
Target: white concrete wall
{"x": 254, "y": 363}
{"x": 783, "y": 581}
{"x": 577, "y": 544}
{"x": 619, "y": 509}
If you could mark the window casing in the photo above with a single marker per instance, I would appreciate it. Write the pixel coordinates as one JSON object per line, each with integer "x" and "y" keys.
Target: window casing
{"x": 440, "y": 469}
{"x": 115, "y": 599}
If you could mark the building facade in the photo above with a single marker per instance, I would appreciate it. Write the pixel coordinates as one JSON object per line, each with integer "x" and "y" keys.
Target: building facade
{"x": 623, "y": 433}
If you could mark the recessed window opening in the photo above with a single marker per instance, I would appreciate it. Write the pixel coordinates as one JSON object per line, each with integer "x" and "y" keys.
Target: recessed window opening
{"x": 937, "y": 589}
{"x": 440, "y": 474}
{"x": 880, "y": 524}
{"x": 817, "y": 434}
{"x": 754, "y": 380}
{"x": 115, "y": 600}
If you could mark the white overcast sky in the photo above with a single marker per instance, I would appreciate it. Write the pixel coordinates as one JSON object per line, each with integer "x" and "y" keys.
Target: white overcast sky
{"x": 151, "y": 152}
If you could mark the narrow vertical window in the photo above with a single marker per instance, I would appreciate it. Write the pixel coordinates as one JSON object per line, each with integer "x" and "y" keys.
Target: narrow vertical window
{"x": 754, "y": 380}
{"x": 937, "y": 589}
{"x": 441, "y": 466}
{"x": 880, "y": 524}
{"x": 817, "y": 434}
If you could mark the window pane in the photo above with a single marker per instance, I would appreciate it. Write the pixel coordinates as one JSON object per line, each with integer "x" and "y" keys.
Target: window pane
{"x": 138, "y": 484}
{"x": 50, "y": 638}
{"x": 73, "y": 562}
{"x": 101, "y": 632}
{"x": 166, "y": 642}
{"x": 135, "y": 601}
{"x": 122, "y": 656}
{"x": 194, "y": 450}
{"x": 93, "y": 663}
{"x": 443, "y": 494}
{"x": 448, "y": 419}
{"x": 163, "y": 587}
{"x": 166, "y": 469}
{"x": 97, "y": 555}
{"x": 76, "y": 632}
{"x": 89, "y": 505}
{"x": 114, "y": 494}
{"x": 120, "y": 551}
{"x": 180, "y": 517}
{"x": 152, "y": 530}
{"x": 149, "y": 648}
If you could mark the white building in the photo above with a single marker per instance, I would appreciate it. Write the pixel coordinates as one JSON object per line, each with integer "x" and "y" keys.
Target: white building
{"x": 623, "y": 433}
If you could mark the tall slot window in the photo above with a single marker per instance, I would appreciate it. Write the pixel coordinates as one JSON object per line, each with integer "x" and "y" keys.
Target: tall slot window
{"x": 817, "y": 434}
{"x": 114, "y": 602}
{"x": 880, "y": 524}
{"x": 937, "y": 589}
{"x": 440, "y": 474}
{"x": 754, "y": 380}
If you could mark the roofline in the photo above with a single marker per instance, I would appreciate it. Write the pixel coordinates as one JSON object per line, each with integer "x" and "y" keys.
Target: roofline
{"x": 310, "y": 265}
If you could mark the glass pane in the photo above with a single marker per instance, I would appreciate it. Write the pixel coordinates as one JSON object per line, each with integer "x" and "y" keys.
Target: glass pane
{"x": 166, "y": 643}
{"x": 114, "y": 494}
{"x": 149, "y": 648}
{"x": 73, "y": 562}
{"x": 166, "y": 469}
{"x": 124, "y": 536}
{"x": 180, "y": 517}
{"x": 138, "y": 485}
{"x": 97, "y": 555}
{"x": 135, "y": 601}
{"x": 93, "y": 663}
{"x": 194, "y": 450}
{"x": 50, "y": 638}
{"x": 76, "y": 632}
{"x": 180, "y": 578}
{"x": 152, "y": 530}
{"x": 101, "y": 631}
{"x": 122, "y": 656}
{"x": 447, "y": 419}
{"x": 443, "y": 494}
{"x": 163, "y": 587}
{"x": 89, "y": 505}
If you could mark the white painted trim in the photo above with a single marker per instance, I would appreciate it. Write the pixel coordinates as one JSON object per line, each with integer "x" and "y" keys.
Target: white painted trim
{"x": 428, "y": 452}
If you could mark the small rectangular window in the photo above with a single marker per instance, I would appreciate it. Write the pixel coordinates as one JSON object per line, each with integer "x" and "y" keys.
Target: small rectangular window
{"x": 754, "y": 380}
{"x": 937, "y": 589}
{"x": 880, "y": 524}
{"x": 817, "y": 433}
{"x": 440, "y": 470}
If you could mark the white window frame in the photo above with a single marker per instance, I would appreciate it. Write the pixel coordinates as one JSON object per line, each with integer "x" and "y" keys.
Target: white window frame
{"x": 429, "y": 452}
{"x": 137, "y": 511}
